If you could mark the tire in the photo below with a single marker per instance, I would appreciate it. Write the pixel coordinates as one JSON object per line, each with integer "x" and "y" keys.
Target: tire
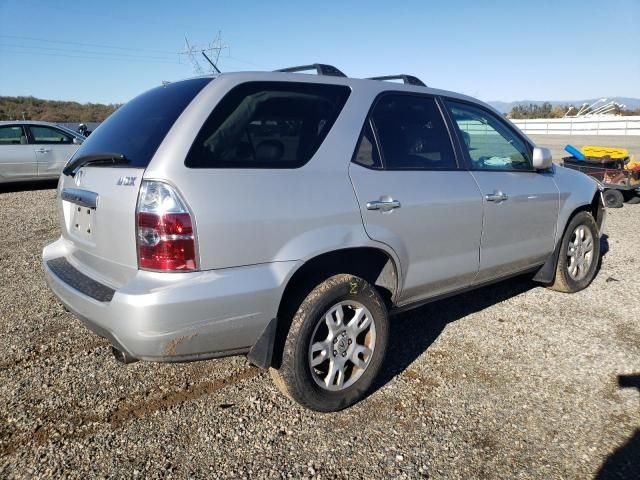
{"x": 633, "y": 200}
{"x": 613, "y": 199}
{"x": 577, "y": 267}
{"x": 327, "y": 318}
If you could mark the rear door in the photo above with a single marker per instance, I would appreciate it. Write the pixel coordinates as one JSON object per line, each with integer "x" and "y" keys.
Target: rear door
{"x": 520, "y": 204}
{"x": 17, "y": 159}
{"x": 98, "y": 203}
{"x": 53, "y": 148}
{"x": 415, "y": 198}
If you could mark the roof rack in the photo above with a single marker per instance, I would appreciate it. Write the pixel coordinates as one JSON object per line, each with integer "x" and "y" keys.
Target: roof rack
{"x": 320, "y": 68}
{"x": 407, "y": 79}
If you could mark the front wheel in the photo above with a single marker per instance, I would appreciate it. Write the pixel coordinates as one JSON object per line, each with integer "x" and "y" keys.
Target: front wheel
{"x": 579, "y": 255}
{"x": 335, "y": 346}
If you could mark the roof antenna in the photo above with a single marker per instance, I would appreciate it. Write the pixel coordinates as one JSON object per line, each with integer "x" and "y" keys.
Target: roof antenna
{"x": 209, "y": 60}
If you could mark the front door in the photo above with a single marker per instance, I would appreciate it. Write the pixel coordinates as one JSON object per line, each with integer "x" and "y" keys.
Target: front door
{"x": 53, "y": 148}
{"x": 414, "y": 198}
{"x": 520, "y": 204}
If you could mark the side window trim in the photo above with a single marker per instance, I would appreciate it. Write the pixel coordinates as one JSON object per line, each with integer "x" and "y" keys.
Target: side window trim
{"x": 464, "y": 161}
{"x": 27, "y": 131}
{"x": 503, "y": 123}
{"x": 375, "y": 146}
{"x": 460, "y": 165}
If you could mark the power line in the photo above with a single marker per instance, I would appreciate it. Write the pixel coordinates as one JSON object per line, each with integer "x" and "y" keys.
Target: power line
{"x": 71, "y": 50}
{"x": 117, "y": 47}
{"x": 98, "y": 45}
{"x": 87, "y": 57}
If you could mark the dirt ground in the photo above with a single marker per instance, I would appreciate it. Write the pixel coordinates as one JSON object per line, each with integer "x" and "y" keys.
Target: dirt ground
{"x": 510, "y": 381}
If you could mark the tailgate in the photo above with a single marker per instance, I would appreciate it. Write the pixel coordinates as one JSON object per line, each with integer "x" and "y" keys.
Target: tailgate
{"x": 97, "y": 214}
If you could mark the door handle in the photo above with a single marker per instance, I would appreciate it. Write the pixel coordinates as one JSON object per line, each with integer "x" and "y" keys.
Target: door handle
{"x": 43, "y": 150}
{"x": 496, "y": 196}
{"x": 383, "y": 205}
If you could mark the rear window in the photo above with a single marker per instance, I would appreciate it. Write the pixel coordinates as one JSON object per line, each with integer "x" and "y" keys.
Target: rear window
{"x": 137, "y": 128}
{"x": 12, "y": 135}
{"x": 267, "y": 125}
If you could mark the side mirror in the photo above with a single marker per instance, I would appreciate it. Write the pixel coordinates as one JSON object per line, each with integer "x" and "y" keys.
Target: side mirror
{"x": 542, "y": 158}
{"x": 77, "y": 141}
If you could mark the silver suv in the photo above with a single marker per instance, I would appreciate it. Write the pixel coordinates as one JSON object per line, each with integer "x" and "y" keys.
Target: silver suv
{"x": 283, "y": 216}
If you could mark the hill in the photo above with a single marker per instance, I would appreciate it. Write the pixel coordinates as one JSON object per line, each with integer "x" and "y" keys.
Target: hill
{"x": 30, "y": 108}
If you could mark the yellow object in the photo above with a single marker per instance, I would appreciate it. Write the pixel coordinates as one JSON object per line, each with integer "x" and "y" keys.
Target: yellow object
{"x": 632, "y": 164}
{"x": 614, "y": 153}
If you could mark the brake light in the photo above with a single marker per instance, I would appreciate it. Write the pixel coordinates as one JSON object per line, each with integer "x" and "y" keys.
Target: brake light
{"x": 165, "y": 235}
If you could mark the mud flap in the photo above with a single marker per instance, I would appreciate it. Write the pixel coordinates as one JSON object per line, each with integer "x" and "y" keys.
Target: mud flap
{"x": 547, "y": 272}
{"x": 261, "y": 354}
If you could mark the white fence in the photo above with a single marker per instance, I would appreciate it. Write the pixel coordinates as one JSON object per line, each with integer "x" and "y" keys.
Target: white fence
{"x": 604, "y": 125}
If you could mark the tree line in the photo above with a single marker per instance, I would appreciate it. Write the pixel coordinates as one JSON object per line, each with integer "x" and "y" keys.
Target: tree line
{"x": 31, "y": 108}
{"x": 546, "y": 110}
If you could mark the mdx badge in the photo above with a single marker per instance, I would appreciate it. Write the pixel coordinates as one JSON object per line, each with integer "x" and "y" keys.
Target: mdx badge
{"x": 126, "y": 181}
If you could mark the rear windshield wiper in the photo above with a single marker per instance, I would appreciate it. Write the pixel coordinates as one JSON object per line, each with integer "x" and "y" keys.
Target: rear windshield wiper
{"x": 95, "y": 159}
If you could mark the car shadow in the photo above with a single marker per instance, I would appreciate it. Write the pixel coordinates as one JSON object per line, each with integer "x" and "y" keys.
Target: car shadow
{"x": 624, "y": 462}
{"x": 413, "y": 332}
{"x": 27, "y": 186}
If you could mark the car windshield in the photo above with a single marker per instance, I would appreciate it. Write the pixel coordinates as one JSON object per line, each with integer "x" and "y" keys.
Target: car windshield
{"x": 70, "y": 131}
{"x": 137, "y": 128}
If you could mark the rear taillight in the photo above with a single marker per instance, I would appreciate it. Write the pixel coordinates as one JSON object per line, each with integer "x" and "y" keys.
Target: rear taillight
{"x": 164, "y": 226}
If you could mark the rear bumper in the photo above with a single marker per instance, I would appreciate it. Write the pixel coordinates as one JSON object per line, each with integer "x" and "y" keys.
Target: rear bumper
{"x": 172, "y": 317}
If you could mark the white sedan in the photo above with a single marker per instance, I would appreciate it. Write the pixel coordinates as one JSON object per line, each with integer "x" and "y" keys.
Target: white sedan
{"x": 35, "y": 150}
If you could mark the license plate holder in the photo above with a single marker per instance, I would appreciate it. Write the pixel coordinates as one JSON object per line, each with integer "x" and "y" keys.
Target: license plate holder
{"x": 82, "y": 221}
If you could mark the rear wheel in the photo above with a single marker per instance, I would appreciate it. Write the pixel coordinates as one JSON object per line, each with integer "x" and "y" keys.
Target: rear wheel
{"x": 335, "y": 346}
{"x": 613, "y": 198}
{"x": 579, "y": 255}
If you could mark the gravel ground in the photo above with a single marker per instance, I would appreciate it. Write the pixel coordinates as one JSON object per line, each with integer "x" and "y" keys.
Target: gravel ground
{"x": 511, "y": 381}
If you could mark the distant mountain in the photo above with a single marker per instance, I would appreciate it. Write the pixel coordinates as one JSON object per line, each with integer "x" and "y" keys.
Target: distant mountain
{"x": 505, "y": 107}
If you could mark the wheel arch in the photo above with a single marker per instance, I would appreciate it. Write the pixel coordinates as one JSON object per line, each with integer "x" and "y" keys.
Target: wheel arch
{"x": 376, "y": 265}
{"x": 546, "y": 274}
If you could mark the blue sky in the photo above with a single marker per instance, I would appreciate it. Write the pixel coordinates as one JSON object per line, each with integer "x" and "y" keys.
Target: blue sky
{"x": 498, "y": 50}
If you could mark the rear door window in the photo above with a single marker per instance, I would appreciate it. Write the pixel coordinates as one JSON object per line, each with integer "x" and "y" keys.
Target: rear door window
{"x": 138, "y": 127}
{"x": 412, "y": 133}
{"x": 267, "y": 125}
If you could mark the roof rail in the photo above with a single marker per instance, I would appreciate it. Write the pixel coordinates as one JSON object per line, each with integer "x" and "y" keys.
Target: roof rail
{"x": 320, "y": 68}
{"x": 407, "y": 79}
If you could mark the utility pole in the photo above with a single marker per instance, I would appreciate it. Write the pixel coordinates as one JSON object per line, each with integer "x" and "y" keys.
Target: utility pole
{"x": 211, "y": 52}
